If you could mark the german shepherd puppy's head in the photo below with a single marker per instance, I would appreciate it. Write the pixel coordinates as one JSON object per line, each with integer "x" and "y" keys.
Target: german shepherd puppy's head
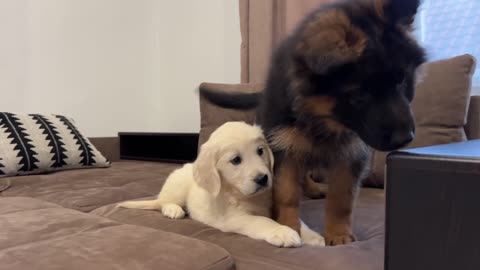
{"x": 358, "y": 56}
{"x": 348, "y": 66}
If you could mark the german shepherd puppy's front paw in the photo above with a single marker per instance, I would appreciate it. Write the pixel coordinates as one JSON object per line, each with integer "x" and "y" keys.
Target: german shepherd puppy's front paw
{"x": 339, "y": 239}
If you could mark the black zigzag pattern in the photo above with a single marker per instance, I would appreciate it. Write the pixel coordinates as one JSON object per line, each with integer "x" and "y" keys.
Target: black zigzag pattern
{"x": 21, "y": 141}
{"x": 83, "y": 145}
{"x": 54, "y": 140}
{"x": 1, "y": 166}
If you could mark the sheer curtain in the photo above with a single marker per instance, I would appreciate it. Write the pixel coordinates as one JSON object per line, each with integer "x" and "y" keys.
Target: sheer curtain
{"x": 263, "y": 24}
{"x": 448, "y": 28}
{"x": 445, "y": 27}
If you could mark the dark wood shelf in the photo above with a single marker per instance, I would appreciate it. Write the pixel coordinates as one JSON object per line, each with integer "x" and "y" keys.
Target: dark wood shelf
{"x": 156, "y": 146}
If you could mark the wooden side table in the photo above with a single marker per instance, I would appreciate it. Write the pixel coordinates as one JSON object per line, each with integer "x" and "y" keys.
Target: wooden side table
{"x": 433, "y": 208}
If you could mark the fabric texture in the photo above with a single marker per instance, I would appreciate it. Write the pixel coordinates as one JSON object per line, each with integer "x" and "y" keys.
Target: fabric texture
{"x": 86, "y": 190}
{"x": 34, "y": 143}
{"x": 440, "y": 107}
{"x": 263, "y": 25}
{"x": 97, "y": 191}
{"x": 250, "y": 254}
{"x": 44, "y": 236}
{"x": 213, "y": 116}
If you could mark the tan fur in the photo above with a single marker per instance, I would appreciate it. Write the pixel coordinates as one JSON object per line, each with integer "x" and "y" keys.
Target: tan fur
{"x": 291, "y": 140}
{"x": 332, "y": 39}
{"x": 314, "y": 190}
{"x": 322, "y": 106}
{"x": 224, "y": 195}
{"x": 379, "y": 8}
{"x": 287, "y": 192}
{"x": 339, "y": 206}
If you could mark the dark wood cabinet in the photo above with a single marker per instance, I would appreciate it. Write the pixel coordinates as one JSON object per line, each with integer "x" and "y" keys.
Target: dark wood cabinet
{"x": 163, "y": 147}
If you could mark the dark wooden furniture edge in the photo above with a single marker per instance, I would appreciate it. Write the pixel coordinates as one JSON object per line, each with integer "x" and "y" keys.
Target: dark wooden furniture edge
{"x": 158, "y": 146}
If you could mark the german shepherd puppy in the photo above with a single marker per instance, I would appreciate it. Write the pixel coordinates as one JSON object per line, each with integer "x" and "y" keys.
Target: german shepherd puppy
{"x": 338, "y": 85}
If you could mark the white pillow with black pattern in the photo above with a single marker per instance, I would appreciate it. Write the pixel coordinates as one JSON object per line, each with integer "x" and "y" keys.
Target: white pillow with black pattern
{"x": 36, "y": 143}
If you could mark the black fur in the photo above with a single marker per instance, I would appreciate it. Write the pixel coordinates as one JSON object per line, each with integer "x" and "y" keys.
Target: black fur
{"x": 372, "y": 93}
{"x": 233, "y": 100}
{"x": 343, "y": 80}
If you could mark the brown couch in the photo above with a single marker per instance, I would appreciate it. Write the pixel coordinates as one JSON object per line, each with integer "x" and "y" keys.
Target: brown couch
{"x": 68, "y": 220}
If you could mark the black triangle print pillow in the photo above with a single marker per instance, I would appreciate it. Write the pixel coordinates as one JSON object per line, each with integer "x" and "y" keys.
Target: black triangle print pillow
{"x": 35, "y": 143}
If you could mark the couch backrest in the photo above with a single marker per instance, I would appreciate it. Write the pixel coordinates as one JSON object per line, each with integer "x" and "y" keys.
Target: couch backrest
{"x": 443, "y": 109}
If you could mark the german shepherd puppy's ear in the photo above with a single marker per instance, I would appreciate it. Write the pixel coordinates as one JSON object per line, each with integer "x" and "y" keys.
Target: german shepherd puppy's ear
{"x": 397, "y": 11}
{"x": 329, "y": 41}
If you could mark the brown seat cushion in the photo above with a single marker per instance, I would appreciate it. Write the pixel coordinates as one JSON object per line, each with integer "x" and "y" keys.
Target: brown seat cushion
{"x": 40, "y": 235}
{"x": 249, "y": 254}
{"x": 85, "y": 190}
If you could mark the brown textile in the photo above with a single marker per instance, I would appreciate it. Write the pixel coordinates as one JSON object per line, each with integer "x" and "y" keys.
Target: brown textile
{"x": 133, "y": 180}
{"x": 263, "y": 24}
{"x": 108, "y": 146}
{"x": 44, "y": 236}
{"x": 213, "y": 116}
{"x": 85, "y": 190}
{"x": 440, "y": 107}
{"x": 249, "y": 254}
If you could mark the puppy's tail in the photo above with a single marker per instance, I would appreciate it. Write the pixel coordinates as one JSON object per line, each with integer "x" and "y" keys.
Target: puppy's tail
{"x": 145, "y": 205}
{"x": 232, "y": 100}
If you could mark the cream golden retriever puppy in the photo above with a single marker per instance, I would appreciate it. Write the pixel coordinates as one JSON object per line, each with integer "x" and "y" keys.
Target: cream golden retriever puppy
{"x": 228, "y": 187}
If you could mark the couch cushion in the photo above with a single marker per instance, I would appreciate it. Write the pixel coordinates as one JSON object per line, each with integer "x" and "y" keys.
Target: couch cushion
{"x": 85, "y": 190}
{"x": 34, "y": 143}
{"x": 440, "y": 107}
{"x": 40, "y": 235}
{"x": 366, "y": 254}
{"x": 213, "y": 116}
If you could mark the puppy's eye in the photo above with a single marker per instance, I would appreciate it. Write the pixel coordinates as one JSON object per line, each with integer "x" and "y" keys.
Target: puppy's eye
{"x": 236, "y": 160}
{"x": 260, "y": 151}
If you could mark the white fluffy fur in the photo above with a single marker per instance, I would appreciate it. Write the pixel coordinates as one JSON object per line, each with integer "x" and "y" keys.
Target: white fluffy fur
{"x": 225, "y": 196}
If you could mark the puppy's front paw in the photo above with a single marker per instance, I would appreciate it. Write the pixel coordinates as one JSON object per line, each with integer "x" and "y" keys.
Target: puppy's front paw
{"x": 336, "y": 240}
{"x": 284, "y": 236}
{"x": 173, "y": 211}
{"x": 312, "y": 238}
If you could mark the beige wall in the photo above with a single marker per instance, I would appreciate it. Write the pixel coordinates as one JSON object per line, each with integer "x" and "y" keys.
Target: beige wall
{"x": 116, "y": 65}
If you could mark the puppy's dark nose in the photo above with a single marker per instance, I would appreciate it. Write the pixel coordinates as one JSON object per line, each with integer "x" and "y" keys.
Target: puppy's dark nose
{"x": 402, "y": 139}
{"x": 261, "y": 180}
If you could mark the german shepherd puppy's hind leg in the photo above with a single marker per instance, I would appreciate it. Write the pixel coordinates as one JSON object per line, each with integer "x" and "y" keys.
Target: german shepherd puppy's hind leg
{"x": 286, "y": 193}
{"x": 314, "y": 190}
{"x": 342, "y": 192}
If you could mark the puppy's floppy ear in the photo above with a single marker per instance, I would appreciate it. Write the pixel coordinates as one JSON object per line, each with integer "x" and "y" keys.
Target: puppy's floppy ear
{"x": 328, "y": 41}
{"x": 397, "y": 11}
{"x": 205, "y": 172}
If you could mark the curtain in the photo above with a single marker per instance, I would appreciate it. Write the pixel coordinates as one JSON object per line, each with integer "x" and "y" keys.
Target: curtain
{"x": 263, "y": 24}
{"x": 448, "y": 28}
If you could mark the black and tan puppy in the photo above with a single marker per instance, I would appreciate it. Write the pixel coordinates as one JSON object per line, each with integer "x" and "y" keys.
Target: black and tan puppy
{"x": 340, "y": 84}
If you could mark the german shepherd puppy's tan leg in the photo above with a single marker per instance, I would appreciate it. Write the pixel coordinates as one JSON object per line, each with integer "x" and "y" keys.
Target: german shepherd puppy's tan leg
{"x": 342, "y": 190}
{"x": 286, "y": 193}
{"x": 314, "y": 190}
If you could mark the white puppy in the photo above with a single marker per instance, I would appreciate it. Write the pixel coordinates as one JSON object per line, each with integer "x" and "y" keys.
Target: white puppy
{"x": 228, "y": 187}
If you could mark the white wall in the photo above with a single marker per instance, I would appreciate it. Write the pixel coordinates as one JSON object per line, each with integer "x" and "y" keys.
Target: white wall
{"x": 116, "y": 65}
